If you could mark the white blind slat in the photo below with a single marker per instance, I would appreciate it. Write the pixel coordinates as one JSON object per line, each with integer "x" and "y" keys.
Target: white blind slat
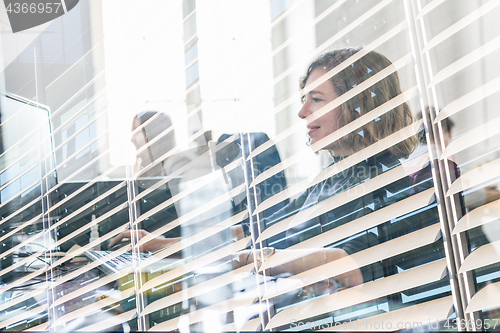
{"x": 428, "y": 8}
{"x": 467, "y": 100}
{"x": 22, "y": 298}
{"x": 195, "y": 264}
{"x": 485, "y": 255}
{"x": 361, "y": 121}
{"x": 479, "y": 216}
{"x": 373, "y": 219}
{"x": 486, "y": 298}
{"x": 420, "y": 314}
{"x": 251, "y": 325}
{"x": 112, "y": 321}
{"x": 346, "y": 163}
{"x": 193, "y": 239}
{"x": 91, "y": 286}
{"x": 23, "y": 315}
{"x": 465, "y": 61}
{"x": 39, "y": 328}
{"x": 473, "y": 137}
{"x": 198, "y": 315}
{"x": 110, "y": 299}
{"x": 355, "y": 261}
{"x": 199, "y": 289}
{"x": 475, "y": 177}
{"x": 456, "y": 27}
{"x": 402, "y": 281}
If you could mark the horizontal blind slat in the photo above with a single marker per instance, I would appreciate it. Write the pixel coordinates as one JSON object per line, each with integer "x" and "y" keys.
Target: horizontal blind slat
{"x": 187, "y": 217}
{"x": 178, "y": 172}
{"x": 486, "y": 298}
{"x": 468, "y": 99}
{"x": 336, "y": 168}
{"x": 361, "y": 121}
{"x": 23, "y": 315}
{"x": 91, "y": 286}
{"x": 475, "y": 177}
{"x": 402, "y": 281}
{"x": 195, "y": 264}
{"x": 20, "y": 281}
{"x": 110, "y": 299}
{"x": 22, "y": 298}
{"x": 198, "y": 315}
{"x": 87, "y": 205}
{"x": 486, "y": 254}
{"x": 39, "y": 328}
{"x": 382, "y": 215}
{"x": 459, "y": 25}
{"x": 113, "y": 321}
{"x": 354, "y": 261}
{"x": 251, "y": 325}
{"x": 479, "y": 216}
{"x": 465, "y": 61}
{"x": 365, "y": 222}
{"x": 90, "y": 225}
{"x": 87, "y": 267}
{"x": 428, "y": 8}
{"x": 423, "y": 313}
{"x": 473, "y": 137}
{"x": 199, "y": 289}
{"x": 226, "y": 197}
{"x": 193, "y": 239}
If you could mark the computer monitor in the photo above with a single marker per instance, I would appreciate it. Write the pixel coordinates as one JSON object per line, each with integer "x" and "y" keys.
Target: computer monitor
{"x": 26, "y": 172}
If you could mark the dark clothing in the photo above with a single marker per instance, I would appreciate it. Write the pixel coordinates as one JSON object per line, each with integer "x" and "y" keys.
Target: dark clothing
{"x": 358, "y": 207}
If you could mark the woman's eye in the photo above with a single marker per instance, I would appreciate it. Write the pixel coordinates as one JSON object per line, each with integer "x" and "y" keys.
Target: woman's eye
{"x": 316, "y": 99}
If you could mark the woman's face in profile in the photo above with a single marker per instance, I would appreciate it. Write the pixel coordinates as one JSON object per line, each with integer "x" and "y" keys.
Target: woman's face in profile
{"x": 317, "y": 98}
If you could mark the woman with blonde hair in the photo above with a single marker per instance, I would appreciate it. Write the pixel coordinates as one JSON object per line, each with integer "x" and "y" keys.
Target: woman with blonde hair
{"x": 339, "y": 88}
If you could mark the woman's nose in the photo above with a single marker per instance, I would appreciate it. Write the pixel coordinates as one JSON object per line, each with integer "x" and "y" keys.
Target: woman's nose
{"x": 304, "y": 111}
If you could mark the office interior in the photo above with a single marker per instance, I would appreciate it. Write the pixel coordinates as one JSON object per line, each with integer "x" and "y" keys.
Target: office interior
{"x": 178, "y": 120}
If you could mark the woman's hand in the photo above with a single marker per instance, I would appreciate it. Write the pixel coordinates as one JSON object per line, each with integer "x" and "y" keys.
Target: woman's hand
{"x": 304, "y": 263}
{"x": 153, "y": 245}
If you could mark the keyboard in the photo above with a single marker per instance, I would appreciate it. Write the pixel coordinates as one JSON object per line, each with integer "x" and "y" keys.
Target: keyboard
{"x": 110, "y": 264}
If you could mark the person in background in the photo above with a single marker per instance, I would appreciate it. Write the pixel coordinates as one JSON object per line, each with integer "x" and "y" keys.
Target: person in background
{"x": 155, "y": 127}
{"x": 157, "y": 157}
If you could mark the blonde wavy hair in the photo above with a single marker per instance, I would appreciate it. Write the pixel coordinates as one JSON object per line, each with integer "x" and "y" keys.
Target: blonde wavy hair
{"x": 367, "y": 100}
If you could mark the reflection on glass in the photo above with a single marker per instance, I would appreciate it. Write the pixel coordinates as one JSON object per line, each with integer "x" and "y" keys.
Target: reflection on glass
{"x": 234, "y": 206}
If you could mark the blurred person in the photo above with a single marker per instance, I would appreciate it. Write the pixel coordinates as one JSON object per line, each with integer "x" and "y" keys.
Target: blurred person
{"x": 157, "y": 157}
{"x": 146, "y": 129}
{"x": 422, "y": 179}
{"x": 423, "y": 147}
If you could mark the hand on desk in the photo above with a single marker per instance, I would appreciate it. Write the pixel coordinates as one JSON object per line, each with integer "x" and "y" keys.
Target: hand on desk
{"x": 306, "y": 262}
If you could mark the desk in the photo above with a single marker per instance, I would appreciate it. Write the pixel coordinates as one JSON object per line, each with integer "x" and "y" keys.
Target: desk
{"x": 71, "y": 300}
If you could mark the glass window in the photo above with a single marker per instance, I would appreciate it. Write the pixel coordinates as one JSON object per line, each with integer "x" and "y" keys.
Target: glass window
{"x": 252, "y": 165}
